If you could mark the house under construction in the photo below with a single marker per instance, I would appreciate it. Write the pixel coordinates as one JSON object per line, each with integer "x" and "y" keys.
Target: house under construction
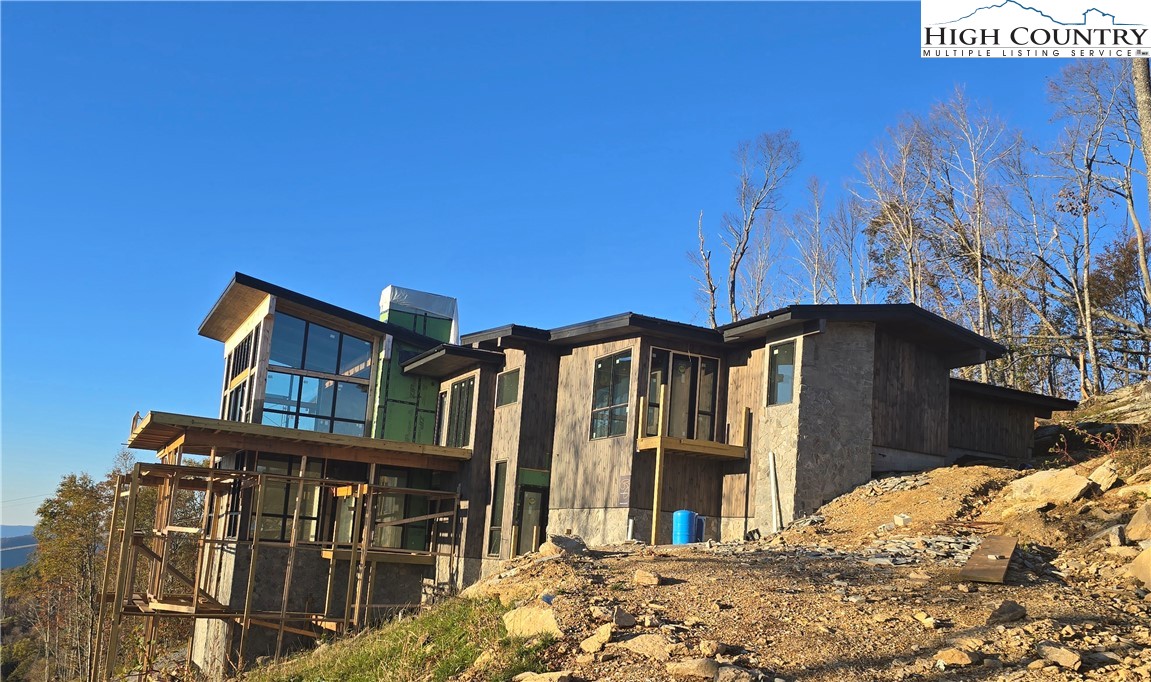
{"x": 361, "y": 465}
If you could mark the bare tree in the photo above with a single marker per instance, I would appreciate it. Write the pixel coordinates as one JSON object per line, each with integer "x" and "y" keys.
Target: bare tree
{"x": 849, "y": 248}
{"x": 765, "y": 163}
{"x": 810, "y": 239}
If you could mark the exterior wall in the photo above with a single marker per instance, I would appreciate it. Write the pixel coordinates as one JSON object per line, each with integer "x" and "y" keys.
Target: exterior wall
{"x": 981, "y": 427}
{"x": 474, "y": 478}
{"x": 745, "y": 390}
{"x": 589, "y": 476}
{"x": 776, "y": 431}
{"x": 834, "y": 447}
{"x": 910, "y": 401}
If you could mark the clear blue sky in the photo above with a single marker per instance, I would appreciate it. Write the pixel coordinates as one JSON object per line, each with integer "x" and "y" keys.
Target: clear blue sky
{"x": 544, "y": 163}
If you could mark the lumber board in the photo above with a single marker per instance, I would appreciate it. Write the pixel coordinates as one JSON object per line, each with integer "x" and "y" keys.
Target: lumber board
{"x": 989, "y": 562}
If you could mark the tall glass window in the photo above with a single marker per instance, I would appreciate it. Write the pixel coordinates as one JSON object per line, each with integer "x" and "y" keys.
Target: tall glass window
{"x": 495, "y": 530}
{"x": 611, "y": 383}
{"x": 781, "y": 373}
{"x": 317, "y": 379}
{"x": 691, "y": 383}
{"x": 460, "y": 413}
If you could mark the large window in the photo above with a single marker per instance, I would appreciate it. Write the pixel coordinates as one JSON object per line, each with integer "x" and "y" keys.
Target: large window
{"x": 392, "y": 507}
{"x": 691, "y": 385}
{"x": 320, "y": 380}
{"x": 508, "y": 388}
{"x": 781, "y": 373}
{"x": 460, "y": 413}
{"x": 237, "y": 402}
{"x": 611, "y": 385}
{"x": 278, "y": 505}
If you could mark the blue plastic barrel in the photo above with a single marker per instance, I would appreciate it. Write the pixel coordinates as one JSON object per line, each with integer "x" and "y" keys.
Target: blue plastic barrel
{"x": 700, "y": 521}
{"x": 683, "y": 527}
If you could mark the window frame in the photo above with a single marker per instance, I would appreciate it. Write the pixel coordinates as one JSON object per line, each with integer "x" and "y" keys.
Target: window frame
{"x": 611, "y": 362}
{"x": 459, "y": 422}
{"x": 773, "y": 372}
{"x": 694, "y": 404}
{"x": 501, "y": 378}
{"x": 293, "y": 415}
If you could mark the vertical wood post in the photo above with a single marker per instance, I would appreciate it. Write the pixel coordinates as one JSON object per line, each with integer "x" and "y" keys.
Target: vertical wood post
{"x": 657, "y": 493}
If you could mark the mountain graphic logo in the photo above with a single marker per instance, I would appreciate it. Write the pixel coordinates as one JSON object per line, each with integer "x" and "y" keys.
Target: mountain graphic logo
{"x": 1092, "y": 16}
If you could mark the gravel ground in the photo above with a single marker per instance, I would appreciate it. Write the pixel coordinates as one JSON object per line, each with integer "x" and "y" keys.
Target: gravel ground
{"x": 813, "y": 604}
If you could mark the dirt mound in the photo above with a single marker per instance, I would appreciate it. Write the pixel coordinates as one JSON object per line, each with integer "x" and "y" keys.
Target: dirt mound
{"x": 934, "y": 501}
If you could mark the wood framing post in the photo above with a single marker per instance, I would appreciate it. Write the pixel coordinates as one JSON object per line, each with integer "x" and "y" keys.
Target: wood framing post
{"x": 123, "y": 579}
{"x": 657, "y": 493}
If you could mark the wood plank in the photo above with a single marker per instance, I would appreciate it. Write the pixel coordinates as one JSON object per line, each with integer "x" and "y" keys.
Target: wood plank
{"x": 989, "y": 562}
{"x": 398, "y": 557}
{"x": 691, "y": 446}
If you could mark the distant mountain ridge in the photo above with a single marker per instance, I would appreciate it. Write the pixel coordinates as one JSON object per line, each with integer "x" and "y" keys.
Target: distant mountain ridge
{"x": 15, "y": 550}
{"x": 13, "y": 531}
{"x": 1009, "y": 4}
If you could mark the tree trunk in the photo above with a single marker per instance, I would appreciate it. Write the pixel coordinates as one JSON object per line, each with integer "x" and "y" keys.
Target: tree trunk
{"x": 1141, "y": 75}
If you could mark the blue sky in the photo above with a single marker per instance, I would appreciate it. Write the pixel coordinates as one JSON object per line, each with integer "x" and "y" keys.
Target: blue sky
{"x": 544, "y": 163}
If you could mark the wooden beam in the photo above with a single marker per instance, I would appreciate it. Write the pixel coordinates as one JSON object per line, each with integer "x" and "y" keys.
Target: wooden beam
{"x": 657, "y": 495}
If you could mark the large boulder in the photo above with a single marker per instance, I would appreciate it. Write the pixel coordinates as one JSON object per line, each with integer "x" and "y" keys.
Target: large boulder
{"x": 1139, "y": 527}
{"x": 532, "y": 620}
{"x": 1106, "y": 475}
{"x": 1057, "y": 486}
{"x": 1141, "y": 568}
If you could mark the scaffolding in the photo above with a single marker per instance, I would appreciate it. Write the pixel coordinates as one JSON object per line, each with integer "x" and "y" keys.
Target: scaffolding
{"x": 178, "y": 533}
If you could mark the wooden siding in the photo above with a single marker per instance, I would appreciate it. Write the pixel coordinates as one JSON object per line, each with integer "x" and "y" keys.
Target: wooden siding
{"x": 990, "y": 427}
{"x": 744, "y": 383}
{"x": 911, "y": 395}
{"x": 538, "y": 392}
{"x": 694, "y": 483}
{"x": 475, "y": 476}
{"x": 585, "y": 472}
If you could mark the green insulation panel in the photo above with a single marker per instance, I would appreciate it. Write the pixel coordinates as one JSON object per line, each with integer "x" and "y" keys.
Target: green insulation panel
{"x": 432, "y": 326}
{"x": 406, "y": 405}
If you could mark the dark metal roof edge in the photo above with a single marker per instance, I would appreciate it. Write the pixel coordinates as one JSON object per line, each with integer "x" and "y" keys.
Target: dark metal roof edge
{"x": 240, "y": 279}
{"x": 507, "y": 330}
{"x": 871, "y": 312}
{"x": 623, "y": 321}
{"x": 1012, "y": 395}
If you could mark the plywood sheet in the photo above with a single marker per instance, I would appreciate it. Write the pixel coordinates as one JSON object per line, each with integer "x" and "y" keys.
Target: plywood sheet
{"x": 988, "y": 564}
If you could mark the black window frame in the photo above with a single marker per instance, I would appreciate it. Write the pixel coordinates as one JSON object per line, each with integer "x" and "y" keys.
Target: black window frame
{"x": 773, "y": 382}
{"x": 499, "y": 493}
{"x": 696, "y": 404}
{"x": 461, "y": 397}
{"x": 611, "y": 408}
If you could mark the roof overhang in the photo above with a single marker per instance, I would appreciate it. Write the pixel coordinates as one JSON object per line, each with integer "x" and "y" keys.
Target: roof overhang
{"x": 507, "y": 332}
{"x": 958, "y": 345}
{"x": 245, "y": 293}
{"x": 449, "y": 360}
{"x": 631, "y": 324}
{"x": 1043, "y": 405}
{"x": 165, "y": 433}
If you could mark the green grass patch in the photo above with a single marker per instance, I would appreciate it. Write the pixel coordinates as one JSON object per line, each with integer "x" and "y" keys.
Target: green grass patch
{"x": 436, "y": 644}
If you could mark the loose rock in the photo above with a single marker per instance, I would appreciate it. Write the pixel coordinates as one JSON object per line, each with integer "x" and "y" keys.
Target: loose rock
{"x": 643, "y": 577}
{"x": 597, "y": 641}
{"x": 1057, "y": 653}
{"x": 1056, "y": 486}
{"x": 958, "y": 657}
{"x": 1007, "y": 612}
{"x": 694, "y": 667}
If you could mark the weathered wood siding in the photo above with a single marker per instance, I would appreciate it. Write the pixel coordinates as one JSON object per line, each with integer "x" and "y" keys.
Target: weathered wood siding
{"x": 744, "y": 388}
{"x": 911, "y": 396}
{"x": 979, "y": 425}
{"x": 538, "y": 390}
{"x": 475, "y": 475}
{"x": 694, "y": 483}
{"x": 585, "y": 472}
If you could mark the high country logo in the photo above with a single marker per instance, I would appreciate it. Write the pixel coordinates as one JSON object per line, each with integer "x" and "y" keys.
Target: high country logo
{"x": 1036, "y": 28}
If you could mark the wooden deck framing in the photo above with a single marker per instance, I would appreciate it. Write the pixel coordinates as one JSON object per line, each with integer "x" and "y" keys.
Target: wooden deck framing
{"x": 141, "y": 579}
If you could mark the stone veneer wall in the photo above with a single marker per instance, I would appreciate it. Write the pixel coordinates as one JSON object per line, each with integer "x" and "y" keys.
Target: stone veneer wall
{"x": 835, "y": 414}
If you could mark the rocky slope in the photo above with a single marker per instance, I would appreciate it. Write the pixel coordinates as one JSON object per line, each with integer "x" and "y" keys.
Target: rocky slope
{"x": 850, "y": 594}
